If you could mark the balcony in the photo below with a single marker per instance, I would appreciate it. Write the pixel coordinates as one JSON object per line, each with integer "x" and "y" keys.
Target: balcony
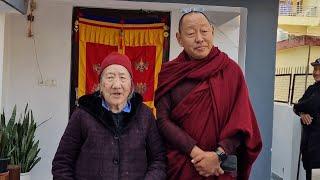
{"x": 299, "y": 15}
{"x": 299, "y": 10}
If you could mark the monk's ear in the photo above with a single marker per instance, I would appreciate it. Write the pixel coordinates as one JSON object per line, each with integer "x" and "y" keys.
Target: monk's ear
{"x": 178, "y": 36}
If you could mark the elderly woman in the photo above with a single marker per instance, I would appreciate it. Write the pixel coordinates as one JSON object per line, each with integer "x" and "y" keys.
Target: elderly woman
{"x": 112, "y": 134}
{"x": 308, "y": 108}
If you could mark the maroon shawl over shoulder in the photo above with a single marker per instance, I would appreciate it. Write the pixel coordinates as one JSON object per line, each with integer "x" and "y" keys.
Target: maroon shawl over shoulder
{"x": 217, "y": 108}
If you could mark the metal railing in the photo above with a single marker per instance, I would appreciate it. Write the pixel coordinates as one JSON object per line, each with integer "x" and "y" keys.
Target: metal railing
{"x": 298, "y": 10}
{"x": 290, "y": 84}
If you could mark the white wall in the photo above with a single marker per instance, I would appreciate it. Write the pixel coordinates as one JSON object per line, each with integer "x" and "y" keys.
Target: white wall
{"x": 286, "y": 142}
{"x": 52, "y": 28}
{"x": 226, "y": 36}
{"x": 297, "y": 57}
{"x": 175, "y": 48}
{"x": 22, "y": 72}
{"x": 2, "y": 38}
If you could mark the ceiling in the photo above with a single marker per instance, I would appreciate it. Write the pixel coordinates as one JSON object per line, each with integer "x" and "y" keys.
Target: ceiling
{"x": 218, "y": 14}
{"x": 5, "y": 8}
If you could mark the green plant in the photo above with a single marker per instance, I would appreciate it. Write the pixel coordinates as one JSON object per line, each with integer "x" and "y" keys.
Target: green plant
{"x": 6, "y": 134}
{"x": 27, "y": 149}
{"x": 4, "y": 141}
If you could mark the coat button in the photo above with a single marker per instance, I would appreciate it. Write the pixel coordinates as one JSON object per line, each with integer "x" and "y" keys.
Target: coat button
{"x": 115, "y": 161}
{"x": 116, "y": 137}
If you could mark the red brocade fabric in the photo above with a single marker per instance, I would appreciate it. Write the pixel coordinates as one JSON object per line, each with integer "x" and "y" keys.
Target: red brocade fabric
{"x": 143, "y": 60}
{"x": 217, "y": 108}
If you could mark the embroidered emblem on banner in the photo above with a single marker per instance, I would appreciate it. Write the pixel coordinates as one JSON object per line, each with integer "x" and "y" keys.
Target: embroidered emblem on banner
{"x": 141, "y": 65}
{"x": 141, "y": 88}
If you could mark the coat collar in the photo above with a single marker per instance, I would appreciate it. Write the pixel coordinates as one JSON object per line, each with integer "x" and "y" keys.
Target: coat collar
{"x": 92, "y": 104}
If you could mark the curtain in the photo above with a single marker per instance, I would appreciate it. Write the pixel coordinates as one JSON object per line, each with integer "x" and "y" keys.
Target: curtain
{"x": 142, "y": 43}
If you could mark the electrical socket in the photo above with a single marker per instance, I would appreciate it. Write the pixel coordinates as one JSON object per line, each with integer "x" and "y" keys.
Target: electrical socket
{"x": 47, "y": 83}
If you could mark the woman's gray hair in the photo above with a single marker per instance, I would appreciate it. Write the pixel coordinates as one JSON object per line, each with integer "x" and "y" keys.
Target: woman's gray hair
{"x": 132, "y": 91}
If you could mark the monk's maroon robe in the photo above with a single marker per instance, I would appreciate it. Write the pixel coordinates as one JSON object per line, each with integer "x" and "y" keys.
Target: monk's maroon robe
{"x": 215, "y": 108}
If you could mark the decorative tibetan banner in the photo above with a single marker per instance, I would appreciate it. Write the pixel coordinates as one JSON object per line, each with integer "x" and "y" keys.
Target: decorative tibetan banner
{"x": 142, "y": 43}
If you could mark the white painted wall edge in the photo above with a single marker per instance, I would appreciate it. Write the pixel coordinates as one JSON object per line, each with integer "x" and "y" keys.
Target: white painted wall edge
{"x": 2, "y": 41}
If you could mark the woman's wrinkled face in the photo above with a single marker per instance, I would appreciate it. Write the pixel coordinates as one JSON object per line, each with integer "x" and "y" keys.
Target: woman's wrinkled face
{"x": 115, "y": 85}
{"x": 316, "y": 73}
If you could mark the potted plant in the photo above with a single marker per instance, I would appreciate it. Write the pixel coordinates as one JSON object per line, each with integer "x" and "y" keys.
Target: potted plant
{"x": 4, "y": 156}
{"x": 6, "y": 145}
{"x": 27, "y": 149}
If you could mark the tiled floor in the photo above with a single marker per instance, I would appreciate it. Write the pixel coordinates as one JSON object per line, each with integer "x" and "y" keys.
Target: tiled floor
{"x": 316, "y": 174}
